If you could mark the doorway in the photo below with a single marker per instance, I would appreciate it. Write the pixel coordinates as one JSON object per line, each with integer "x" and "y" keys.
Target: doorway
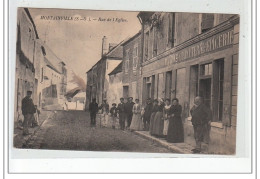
{"x": 125, "y": 91}
{"x": 205, "y": 90}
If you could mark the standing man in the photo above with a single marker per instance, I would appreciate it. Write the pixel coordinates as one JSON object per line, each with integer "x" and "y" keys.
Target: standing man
{"x": 147, "y": 114}
{"x": 28, "y": 110}
{"x": 201, "y": 119}
{"x": 93, "y": 109}
{"x": 121, "y": 113}
{"x": 129, "y": 111}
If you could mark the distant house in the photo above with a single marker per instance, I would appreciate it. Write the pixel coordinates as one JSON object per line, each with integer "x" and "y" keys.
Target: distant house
{"x": 97, "y": 77}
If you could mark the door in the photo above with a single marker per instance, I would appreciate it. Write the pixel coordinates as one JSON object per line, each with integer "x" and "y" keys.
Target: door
{"x": 180, "y": 85}
{"x": 168, "y": 85}
{"x": 205, "y": 90}
{"x": 160, "y": 86}
{"x": 125, "y": 91}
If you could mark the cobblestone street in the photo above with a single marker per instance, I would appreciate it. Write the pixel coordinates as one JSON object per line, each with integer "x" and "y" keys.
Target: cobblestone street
{"x": 70, "y": 130}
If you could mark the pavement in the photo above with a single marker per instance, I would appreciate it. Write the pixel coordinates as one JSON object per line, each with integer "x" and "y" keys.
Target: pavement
{"x": 71, "y": 130}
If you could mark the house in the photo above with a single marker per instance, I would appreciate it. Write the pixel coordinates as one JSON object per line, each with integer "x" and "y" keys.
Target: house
{"x": 190, "y": 54}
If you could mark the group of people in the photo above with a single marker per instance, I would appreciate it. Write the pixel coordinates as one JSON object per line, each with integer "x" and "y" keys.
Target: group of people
{"x": 162, "y": 118}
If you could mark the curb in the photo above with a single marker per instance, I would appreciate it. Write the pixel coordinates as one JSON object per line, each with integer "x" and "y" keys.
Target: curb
{"x": 27, "y": 140}
{"x": 165, "y": 144}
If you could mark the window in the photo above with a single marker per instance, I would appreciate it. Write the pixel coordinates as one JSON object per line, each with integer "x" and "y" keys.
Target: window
{"x": 146, "y": 39}
{"x": 207, "y": 22}
{"x": 171, "y": 28}
{"x": 220, "y": 76}
{"x": 206, "y": 69}
{"x": 127, "y": 61}
{"x": 135, "y": 58}
{"x": 155, "y": 39}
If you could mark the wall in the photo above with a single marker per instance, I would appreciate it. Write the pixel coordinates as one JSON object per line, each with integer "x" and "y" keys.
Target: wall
{"x": 115, "y": 90}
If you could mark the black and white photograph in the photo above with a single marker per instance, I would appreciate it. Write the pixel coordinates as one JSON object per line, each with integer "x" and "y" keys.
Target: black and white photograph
{"x": 126, "y": 81}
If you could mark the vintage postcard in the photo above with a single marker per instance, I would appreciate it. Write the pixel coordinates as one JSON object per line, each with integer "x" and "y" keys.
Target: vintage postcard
{"x": 126, "y": 81}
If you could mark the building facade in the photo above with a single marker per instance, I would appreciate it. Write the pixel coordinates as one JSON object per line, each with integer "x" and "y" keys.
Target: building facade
{"x": 131, "y": 67}
{"x": 97, "y": 77}
{"x": 26, "y": 59}
{"x": 186, "y": 55}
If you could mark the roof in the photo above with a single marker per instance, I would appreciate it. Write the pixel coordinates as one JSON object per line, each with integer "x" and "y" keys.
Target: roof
{"x": 50, "y": 65}
{"x": 71, "y": 93}
{"x": 131, "y": 38}
{"x": 116, "y": 53}
{"x": 30, "y": 17}
{"x": 118, "y": 69}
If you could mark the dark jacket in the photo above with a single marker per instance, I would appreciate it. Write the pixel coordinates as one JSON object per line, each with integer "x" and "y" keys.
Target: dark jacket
{"x": 28, "y": 106}
{"x": 93, "y": 107}
{"x": 121, "y": 108}
{"x": 113, "y": 111}
{"x": 200, "y": 115}
{"x": 129, "y": 107}
{"x": 104, "y": 107}
{"x": 148, "y": 110}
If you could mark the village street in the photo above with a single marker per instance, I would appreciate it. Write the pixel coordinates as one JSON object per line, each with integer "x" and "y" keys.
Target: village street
{"x": 70, "y": 130}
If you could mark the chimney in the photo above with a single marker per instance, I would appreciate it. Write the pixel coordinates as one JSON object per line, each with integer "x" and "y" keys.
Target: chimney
{"x": 104, "y": 46}
{"x": 111, "y": 45}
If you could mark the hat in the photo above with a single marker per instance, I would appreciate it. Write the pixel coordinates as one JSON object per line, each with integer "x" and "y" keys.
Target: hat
{"x": 29, "y": 92}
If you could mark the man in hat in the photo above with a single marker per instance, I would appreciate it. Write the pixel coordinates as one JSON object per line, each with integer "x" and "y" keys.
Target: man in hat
{"x": 28, "y": 109}
{"x": 129, "y": 111}
{"x": 93, "y": 109}
{"x": 121, "y": 112}
{"x": 147, "y": 114}
{"x": 201, "y": 119}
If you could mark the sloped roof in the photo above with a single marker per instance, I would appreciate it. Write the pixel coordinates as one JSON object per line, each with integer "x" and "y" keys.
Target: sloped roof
{"x": 71, "y": 93}
{"x": 131, "y": 38}
{"x": 118, "y": 69}
{"x": 116, "y": 52}
{"x": 50, "y": 65}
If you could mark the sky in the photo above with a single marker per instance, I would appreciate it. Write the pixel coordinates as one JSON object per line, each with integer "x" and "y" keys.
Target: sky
{"x": 78, "y": 42}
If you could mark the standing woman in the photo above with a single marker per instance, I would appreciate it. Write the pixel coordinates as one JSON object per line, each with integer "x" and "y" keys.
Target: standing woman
{"x": 154, "y": 111}
{"x": 175, "y": 130}
{"x": 158, "y": 120}
{"x": 166, "y": 116}
{"x": 137, "y": 123}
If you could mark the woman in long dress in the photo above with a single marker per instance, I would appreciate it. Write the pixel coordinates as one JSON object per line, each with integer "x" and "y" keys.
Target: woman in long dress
{"x": 137, "y": 123}
{"x": 158, "y": 120}
{"x": 175, "y": 130}
{"x": 154, "y": 111}
{"x": 166, "y": 116}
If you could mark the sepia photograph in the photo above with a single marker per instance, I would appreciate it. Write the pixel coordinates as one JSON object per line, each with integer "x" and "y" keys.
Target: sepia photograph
{"x": 126, "y": 81}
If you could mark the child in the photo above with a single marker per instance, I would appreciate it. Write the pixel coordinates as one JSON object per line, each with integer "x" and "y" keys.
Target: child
{"x": 36, "y": 117}
{"x": 113, "y": 112}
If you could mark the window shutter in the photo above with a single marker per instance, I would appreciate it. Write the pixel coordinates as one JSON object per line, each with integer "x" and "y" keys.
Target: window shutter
{"x": 207, "y": 21}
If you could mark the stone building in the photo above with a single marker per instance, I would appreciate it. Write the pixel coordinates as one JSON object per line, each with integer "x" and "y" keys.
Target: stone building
{"x": 26, "y": 59}
{"x": 131, "y": 67}
{"x": 97, "y": 77}
{"x": 189, "y": 54}
{"x": 116, "y": 86}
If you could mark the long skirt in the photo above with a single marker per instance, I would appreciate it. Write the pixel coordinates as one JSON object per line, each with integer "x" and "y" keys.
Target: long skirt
{"x": 152, "y": 122}
{"x": 158, "y": 124}
{"x": 137, "y": 123}
{"x": 165, "y": 127}
{"x": 175, "y": 130}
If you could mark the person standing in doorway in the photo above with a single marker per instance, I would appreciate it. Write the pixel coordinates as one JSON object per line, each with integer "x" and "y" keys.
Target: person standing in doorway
{"x": 93, "y": 109}
{"x": 121, "y": 112}
{"x": 147, "y": 114}
{"x": 28, "y": 109}
{"x": 136, "y": 124}
{"x": 175, "y": 132}
{"x": 129, "y": 111}
{"x": 201, "y": 119}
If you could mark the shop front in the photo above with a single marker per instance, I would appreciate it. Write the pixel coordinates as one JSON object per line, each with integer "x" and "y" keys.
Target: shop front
{"x": 206, "y": 66}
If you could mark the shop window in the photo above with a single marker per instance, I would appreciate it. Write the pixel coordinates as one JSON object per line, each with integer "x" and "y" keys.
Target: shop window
{"x": 219, "y": 73}
{"x": 206, "y": 69}
{"x": 207, "y": 22}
